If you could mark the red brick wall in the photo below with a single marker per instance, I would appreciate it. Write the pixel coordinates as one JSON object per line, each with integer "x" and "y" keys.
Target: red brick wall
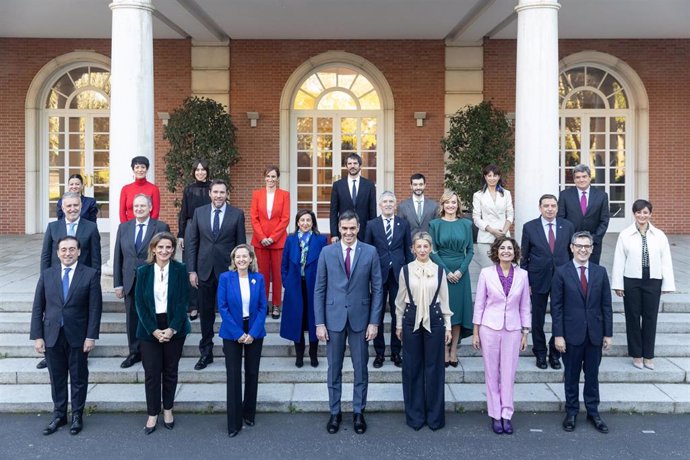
{"x": 664, "y": 67}
{"x": 415, "y": 70}
{"x": 21, "y": 59}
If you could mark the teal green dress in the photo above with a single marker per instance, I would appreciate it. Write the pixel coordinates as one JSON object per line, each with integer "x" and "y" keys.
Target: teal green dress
{"x": 453, "y": 250}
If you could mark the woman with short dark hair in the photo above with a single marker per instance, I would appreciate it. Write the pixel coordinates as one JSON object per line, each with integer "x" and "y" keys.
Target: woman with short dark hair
{"x": 89, "y": 208}
{"x": 140, "y": 166}
{"x": 492, "y": 212}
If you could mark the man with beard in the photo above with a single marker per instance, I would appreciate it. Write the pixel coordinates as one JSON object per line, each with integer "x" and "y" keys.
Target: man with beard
{"x": 352, "y": 193}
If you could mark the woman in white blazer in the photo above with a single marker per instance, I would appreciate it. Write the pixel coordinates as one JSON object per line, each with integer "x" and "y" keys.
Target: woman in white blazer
{"x": 642, "y": 271}
{"x": 492, "y": 212}
{"x": 501, "y": 324}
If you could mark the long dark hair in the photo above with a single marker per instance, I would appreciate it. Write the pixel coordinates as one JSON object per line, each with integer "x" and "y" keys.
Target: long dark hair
{"x": 500, "y": 186}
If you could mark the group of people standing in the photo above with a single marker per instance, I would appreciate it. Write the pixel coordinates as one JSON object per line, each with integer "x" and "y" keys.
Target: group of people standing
{"x": 416, "y": 261}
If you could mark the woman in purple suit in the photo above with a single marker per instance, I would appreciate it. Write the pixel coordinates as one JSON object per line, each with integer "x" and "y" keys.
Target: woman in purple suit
{"x": 501, "y": 324}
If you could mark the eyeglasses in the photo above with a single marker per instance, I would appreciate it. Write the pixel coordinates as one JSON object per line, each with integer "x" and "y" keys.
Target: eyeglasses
{"x": 586, "y": 247}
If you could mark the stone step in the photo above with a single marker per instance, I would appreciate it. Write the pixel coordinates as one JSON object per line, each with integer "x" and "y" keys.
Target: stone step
{"x": 282, "y": 370}
{"x": 113, "y": 345}
{"x": 20, "y": 323}
{"x": 313, "y": 397}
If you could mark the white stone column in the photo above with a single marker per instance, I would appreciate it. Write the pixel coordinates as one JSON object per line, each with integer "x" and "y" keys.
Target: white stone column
{"x": 131, "y": 106}
{"x": 536, "y": 107}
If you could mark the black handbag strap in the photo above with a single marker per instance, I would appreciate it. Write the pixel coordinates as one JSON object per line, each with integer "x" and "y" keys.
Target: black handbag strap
{"x": 406, "y": 274}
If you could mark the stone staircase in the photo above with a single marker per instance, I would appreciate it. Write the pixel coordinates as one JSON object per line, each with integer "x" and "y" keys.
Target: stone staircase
{"x": 283, "y": 387}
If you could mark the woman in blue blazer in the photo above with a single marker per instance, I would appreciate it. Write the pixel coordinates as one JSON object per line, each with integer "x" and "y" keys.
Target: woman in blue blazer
{"x": 161, "y": 296}
{"x": 242, "y": 308}
{"x": 298, "y": 272}
{"x": 89, "y": 208}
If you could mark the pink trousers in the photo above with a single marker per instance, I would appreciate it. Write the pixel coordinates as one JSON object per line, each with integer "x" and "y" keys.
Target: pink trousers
{"x": 500, "y": 350}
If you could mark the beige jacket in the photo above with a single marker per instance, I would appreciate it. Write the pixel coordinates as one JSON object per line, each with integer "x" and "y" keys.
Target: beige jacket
{"x": 486, "y": 212}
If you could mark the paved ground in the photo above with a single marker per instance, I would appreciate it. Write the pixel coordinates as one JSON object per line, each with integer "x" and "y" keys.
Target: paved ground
{"x": 303, "y": 436}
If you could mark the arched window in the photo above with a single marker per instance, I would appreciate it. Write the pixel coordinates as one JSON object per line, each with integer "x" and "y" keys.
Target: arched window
{"x": 595, "y": 129}
{"x": 336, "y": 111}
{"x": 78, "y": 134}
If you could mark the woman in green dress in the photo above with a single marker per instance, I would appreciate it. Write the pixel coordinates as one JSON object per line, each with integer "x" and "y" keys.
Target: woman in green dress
{"x": 452, "y": 237}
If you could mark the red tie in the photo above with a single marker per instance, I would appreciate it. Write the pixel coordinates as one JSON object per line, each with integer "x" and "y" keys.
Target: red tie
{"x": 552, "y": 238}
{"x": 583, "y": 280}
{"x": 347, "y": 262}
{"x": 583, "y": 203}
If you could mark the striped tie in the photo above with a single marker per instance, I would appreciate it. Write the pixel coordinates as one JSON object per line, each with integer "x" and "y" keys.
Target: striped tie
{"x": 389, "y": 232}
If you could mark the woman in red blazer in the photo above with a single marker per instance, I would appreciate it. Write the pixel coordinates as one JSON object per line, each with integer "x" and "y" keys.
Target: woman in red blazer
{"x": 270, "y": 214}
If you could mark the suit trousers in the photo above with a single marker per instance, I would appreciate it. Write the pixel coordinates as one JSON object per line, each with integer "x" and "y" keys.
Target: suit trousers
{"x": 193, "y": 292}
{"x": 132, "y": 320}
{"x": 500, "y": 352}
{"x": 481, "y": 255}
{"x": 423, "y": 370}
{"x": 359, "y": 353}
{"x": 390, "y": 291}
{"x": 63, "y": 360}
{"x": 208, "y": 291}
{"x": 539, "y": 302}
{"x": 269, "y": 261}
{"x": 596, "y": 253}
{"x": 160, "y": 362}
{"x": 237, "y": 409}
{"x": 587, "y": 357}
{"x": 641, "y": 301}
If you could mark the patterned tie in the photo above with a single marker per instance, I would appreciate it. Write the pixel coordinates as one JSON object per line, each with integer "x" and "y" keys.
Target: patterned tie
{"x": 389, "y": 232}
{"x": 354, "y": 191}
{"x": 419, "y": 211}
{"x": 216, "y": 223}
{"x": 140, "y": 237}
{"x": 65, "y": 283}
{"x": 552, "y": 238}
{"x": 71, "y": 231}
{"x": 583, "y": 203}
{"x": 583, "y": 280}
{"x": 347, "y": 262}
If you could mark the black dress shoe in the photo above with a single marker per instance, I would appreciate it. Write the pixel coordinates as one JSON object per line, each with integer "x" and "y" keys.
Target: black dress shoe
{"x": 541, "y": 363}
{"x": 333, "y": 424}
{"x": 397, "y": 360}
{"x": 42, "y": 364}
{"x": 77, "y": 424}
{"x": 248, "y": 422}
{"x": 130, "y": 361}
{"x": 299, "y": 361}
{"x": 54, "y": 424}
{"x": 554, "y": 363}
{"x": 378, "y": 361}
{"x": 314, "y": 361}
{"x": 598, "y": 423}
{"x": 204, "y": 361}
{"x": 233, "y": 433}
{"x": 496, "y": 426}
{"x": 569, "y": 423}
{"x": 169, "y": 426}
{"x": 359, "y": 424}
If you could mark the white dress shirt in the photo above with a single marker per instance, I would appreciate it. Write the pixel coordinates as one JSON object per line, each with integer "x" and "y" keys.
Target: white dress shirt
{"x": 244, "y": 294}
{"x": 160, "y": 287}
{"x": 143, "y": 229}
{"x": 545, "y": 224}
{"x": 220, "y": 216}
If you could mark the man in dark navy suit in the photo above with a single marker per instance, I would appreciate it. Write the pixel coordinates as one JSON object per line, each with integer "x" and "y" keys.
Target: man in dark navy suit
{"x": 582, "y": 325}
{"x": 390, "y": 235}
{"x": 587, "y": 208}
{"x": 65, "y": 322}
{"x": 544, "y": 247}
{"x": 352, "y": 193}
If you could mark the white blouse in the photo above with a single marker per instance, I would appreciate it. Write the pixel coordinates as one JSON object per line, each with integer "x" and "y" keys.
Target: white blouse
{"x": 244, "y": 294}
{"x": 160, "y": 287}
{"x": 423, "y": 284}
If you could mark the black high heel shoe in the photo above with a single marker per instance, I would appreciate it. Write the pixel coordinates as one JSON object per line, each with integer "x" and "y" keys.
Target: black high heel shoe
{"x": 150, "y": 429}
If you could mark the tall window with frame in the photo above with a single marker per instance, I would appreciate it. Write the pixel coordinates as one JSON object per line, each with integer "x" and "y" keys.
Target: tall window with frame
{"x": 336, "y": 111}
{"x": 595, "y": 129}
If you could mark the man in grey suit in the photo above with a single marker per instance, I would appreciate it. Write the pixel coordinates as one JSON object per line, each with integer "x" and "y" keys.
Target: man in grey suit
{"x": 211, "y": 236}
{"x": 131, "y": 251}
{"x": 418, "y": 210}
{"x": 347, "y": 306}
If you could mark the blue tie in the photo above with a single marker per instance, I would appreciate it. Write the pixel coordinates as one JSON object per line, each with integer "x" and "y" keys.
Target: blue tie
{"x": 216, "y": 223}
{"x": 65, "y": 283}
{"x": 71, "y": 231}
{"x": 140, "y": 237}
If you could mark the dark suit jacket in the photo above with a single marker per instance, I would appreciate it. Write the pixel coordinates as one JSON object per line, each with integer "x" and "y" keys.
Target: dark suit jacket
{"x": 230, "y": 306}
{"x": 537, "y": 258}
{"x": 595, "y": 221}
{"x": 126, "y": 258}
{"x": 89, "y": 240}
{"x": 395, "y": 255}
{"x": 575, "y": 317}
{"x": 178, "y": 300}
{"x": 407, "y": 211}
{"x": 206, "y": 254}
{"x": 80, "y": 311}
{"x": 89, "y": 209}
{"x": 341, "y": 201}
{"x": 338, "y": 299}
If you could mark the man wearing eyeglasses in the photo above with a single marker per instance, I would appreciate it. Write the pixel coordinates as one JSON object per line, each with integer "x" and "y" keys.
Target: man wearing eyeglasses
{"x": 582, "y": 325}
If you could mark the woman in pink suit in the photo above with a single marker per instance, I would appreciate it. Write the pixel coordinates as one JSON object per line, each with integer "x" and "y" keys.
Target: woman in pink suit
{"x": 501, "y": 324}
{"x": 270, "y": 214}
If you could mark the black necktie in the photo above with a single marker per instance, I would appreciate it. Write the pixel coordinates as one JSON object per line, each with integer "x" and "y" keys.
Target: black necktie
{"x": 216, "y": 223}
{"x": 354, "y": 191}
{"x": 140, "y": 237}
